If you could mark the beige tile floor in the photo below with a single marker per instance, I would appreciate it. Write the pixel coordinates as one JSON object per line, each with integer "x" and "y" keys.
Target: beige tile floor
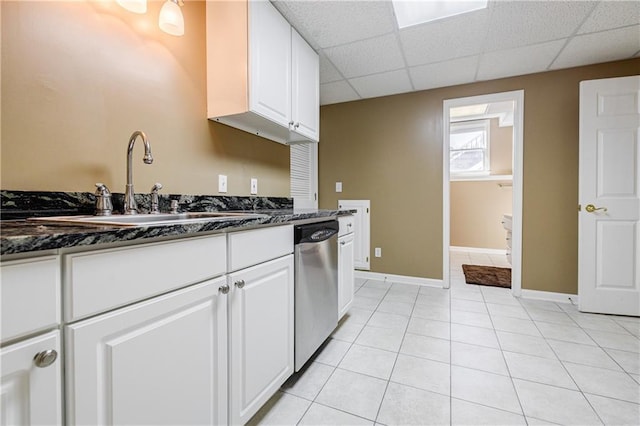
{"x": 469, "y": 355}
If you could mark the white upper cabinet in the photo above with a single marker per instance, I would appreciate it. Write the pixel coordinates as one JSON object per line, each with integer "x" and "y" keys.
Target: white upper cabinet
{"x": 305, "y": 114}
{"x": 262, "y": 77}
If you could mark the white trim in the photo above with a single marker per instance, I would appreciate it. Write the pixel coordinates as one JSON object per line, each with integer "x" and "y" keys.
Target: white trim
{"x": 550, "y": 296}
{"x": 460, "y": 178}
{"x": 518, "y": 146}
{"x": 399, "y": 279}
{"x": 479, "y": 250}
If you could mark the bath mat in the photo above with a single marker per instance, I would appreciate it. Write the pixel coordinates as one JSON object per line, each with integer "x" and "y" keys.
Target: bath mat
{"x": 487, "y": 275}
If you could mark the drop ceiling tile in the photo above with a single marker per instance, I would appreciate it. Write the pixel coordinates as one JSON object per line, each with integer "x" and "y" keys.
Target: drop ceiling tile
{"x": 442, "y": 74}
{"x": 518, "y": 61}
{"x": 331, "y": 23}
{"x": 612, "y": 14}
{"x": 336, "y": 92}
{"x": 366, "y": 57}
{"x": 521, "y": 23}
{"x": 595, "y": 48}
{"x": 328, "y": 72}
{"x": 387, "y": 83}
{"x": 438, "y": 41}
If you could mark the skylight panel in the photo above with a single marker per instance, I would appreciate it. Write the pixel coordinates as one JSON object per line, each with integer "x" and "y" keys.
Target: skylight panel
{"x": 414, "y": 12}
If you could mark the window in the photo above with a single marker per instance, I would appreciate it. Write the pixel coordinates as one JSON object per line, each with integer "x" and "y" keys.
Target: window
{"x": 469, "y": 148}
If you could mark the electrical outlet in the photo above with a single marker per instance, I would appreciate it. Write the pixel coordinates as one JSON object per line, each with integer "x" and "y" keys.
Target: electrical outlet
{"x": 222, "y": 183}
{"x": 254, "y": 186}
{"x": 378, "y": 252}
{"x": 338, "y": 186}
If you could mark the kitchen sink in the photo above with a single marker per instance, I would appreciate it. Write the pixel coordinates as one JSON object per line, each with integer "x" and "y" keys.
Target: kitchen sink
{"x": 150, "y": 219}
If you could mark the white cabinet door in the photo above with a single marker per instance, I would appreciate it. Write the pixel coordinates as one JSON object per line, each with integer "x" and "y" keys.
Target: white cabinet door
{"x": 305, "y": 102}
{"x": 162, "y": 361}
{"x": 345, "y": 273}
{"x": 270, "y": 63}
{"x": 31, "y": 395}
{"x": 261, "y": 335}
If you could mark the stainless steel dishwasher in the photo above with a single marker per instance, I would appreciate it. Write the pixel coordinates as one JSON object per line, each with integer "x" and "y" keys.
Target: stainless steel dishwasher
{"x": 316, "y": 286}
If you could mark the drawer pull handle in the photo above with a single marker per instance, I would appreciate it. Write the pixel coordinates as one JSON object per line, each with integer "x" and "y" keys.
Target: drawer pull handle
{"x": 224, "y": 289}
{"x": 240, "y": 284}
{"x": 45, "y": 358}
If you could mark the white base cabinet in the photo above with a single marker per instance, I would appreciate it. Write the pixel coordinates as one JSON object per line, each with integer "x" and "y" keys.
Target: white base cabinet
{"x": 346, "y": 275}
{"x": 31, "y": 395}
{"x": 261, "y": 335}
{"x": 162, "y": 361}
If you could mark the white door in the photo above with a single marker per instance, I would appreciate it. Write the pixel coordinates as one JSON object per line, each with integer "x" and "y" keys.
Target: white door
{"x": 609, "y": 234}
{"x": 31, "y": 391}
{"x": 304, "y": 175}
{"x": 361, "y": 231}
{"x": 305, "y": 92}
{"x": 261, "y": 335}
{"x": 158, "y": 362}
{"x": 345, "y": 274}
{"x": 270, "y": 63}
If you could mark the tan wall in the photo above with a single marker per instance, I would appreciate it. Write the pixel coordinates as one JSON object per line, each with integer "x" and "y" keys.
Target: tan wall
{"x": 476, "y": 214}
{"x": 79, "y": 77}
{"x": 389, "y": 150}
{"x": 477, "y": 207}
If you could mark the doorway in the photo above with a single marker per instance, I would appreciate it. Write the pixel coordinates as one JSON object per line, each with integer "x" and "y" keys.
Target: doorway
{"x": 464, "y": 111}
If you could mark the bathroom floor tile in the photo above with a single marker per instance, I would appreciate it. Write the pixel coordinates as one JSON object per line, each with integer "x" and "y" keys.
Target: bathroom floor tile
{"x": 484, "y": 388}
{"x": 615, "y": 412}
{"x": 354, "y": 393}
{"x": 540, "y": 370}
{"x": 478, "y": 357}
{"x": 426, "y": 347}
{"x": 602, "y": 382}
{"x": 370, "y": 361}
{"x": 422, "y": 373}
{"x": 464, "y": 413}
{"x": 281, "y": 409}
{"x": 404, "y": 405}
{"x": 308, "y": 381}
{"x": 553, "y": 404}
{"x": 321, "y": 415}
{"x": 381, "y": 338}
{"x": 431, "y": 328}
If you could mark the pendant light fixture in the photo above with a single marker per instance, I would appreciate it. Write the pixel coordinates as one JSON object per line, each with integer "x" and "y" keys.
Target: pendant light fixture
{"x": 171, "y": 20}
{"x": 135, "y": 6}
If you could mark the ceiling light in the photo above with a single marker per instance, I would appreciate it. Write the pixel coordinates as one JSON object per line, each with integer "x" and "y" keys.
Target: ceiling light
{"x": 136, "y": 6}
{"x": 414, "y": 12}
{"x": 171, "y": 20}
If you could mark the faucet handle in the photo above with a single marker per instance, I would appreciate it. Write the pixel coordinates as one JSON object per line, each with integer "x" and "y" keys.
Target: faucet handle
{"x": 174, "y": 206}
{"x": 104, "y": 206}
{"x": 155, "y": 206}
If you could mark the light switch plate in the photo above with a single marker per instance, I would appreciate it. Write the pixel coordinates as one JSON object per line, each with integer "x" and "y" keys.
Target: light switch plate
{"x": 254, "y": 186}
{"x": 222, "y": 183}
{"x": 338, "y": 186}
{"x": 378, "y": 252}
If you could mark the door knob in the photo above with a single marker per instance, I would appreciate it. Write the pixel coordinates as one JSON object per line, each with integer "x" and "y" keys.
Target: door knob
{"x": 591, "y": 208}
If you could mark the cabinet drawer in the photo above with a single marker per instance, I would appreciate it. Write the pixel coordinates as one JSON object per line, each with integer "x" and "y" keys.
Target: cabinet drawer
{"x": 30, "y": 294}
{"x": 102, "y": 280}
{"x": 346, "y": 225}
{"x": 249, "y": 248}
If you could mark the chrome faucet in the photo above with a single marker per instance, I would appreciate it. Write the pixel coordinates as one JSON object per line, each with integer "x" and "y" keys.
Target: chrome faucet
{"x": 155, "y": 202}
{"x": 130, "y": 206}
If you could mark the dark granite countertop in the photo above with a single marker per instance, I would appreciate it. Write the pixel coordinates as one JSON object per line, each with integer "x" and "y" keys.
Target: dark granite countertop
{"x": 22, "y": 236}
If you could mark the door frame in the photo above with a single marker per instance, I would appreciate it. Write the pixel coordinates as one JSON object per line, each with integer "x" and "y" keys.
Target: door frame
{"x": 518, "y": 145}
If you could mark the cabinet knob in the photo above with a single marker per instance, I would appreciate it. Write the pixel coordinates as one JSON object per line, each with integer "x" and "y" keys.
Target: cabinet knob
{"x": 224, "y": 289}
{"x": 240, "y": 284}
{"x": 342, "y": 243}
{"x": 295, "y": 126}
{"x": 291, "y": 123}
{"x": 45, "y": 358}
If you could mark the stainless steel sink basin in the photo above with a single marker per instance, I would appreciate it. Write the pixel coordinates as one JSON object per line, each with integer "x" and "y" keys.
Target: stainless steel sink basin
{"x": 150, "y": 219}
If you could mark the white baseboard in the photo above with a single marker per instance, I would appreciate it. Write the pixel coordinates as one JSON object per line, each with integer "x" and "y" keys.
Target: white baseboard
{"x": 549, "y": 296}
{"x": 478, "y": 250}
{"x": 400, "y": 279}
